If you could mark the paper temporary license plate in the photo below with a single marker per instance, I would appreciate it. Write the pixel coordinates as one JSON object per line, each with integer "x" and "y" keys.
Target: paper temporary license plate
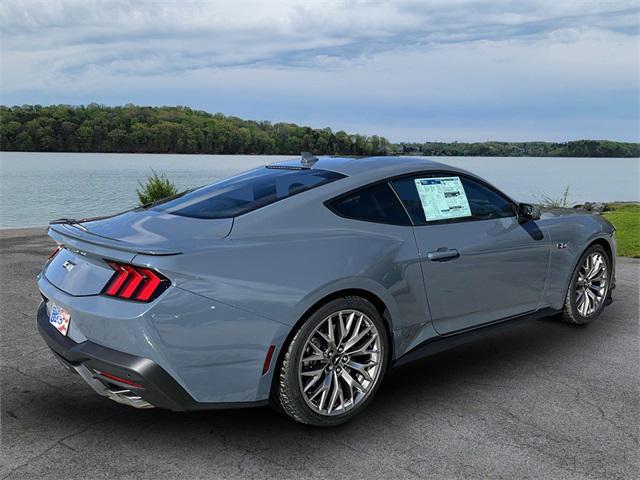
{"x": 60, "y": 319}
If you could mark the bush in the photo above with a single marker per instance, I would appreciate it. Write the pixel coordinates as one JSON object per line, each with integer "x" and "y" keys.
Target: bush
{"x": 157, "y": 187}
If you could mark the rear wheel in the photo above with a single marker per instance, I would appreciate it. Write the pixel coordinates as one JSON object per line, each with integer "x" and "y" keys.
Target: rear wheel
{"x": 589, "y": 287}
{"x": 334, "y": 363}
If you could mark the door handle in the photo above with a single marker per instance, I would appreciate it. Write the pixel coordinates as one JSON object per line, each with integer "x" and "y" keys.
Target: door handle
{"x": 443, "y": 254}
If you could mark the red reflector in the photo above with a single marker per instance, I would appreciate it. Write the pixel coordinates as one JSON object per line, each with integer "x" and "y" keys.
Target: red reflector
{"x": 150, "y": 285}
{"x": 134, "y": 279}
{"x": 267, "y": 360}
{"x": 119, "y": 379}
{"x": 55, "y": 252}
{"x": 118, "y": 280}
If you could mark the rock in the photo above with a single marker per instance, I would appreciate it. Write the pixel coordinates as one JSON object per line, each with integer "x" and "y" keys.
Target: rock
{"x": 596, "y": 207}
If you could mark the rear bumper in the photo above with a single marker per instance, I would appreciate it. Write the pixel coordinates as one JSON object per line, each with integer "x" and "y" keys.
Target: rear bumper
{"x": 147, "y": 383}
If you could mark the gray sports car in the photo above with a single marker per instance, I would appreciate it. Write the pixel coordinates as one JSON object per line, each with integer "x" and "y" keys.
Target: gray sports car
{"x": 301, "y": 283}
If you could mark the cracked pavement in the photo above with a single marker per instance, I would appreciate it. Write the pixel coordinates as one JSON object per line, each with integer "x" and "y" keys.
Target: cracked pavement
{"x": 540, "y": 400}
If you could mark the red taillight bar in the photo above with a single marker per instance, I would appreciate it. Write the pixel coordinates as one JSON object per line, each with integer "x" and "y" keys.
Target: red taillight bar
{"x": 153, "y": 281}
{"x": 117, "y": 281}
{"x": 135, "y": 283}
{"x": 55, "y": 252}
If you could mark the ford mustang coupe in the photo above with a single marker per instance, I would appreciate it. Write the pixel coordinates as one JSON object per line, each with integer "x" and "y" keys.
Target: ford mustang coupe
{"x": 299, "y": 284}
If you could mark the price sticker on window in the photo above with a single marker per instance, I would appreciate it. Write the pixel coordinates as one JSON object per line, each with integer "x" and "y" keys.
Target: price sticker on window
{"x": 442, "y": 198}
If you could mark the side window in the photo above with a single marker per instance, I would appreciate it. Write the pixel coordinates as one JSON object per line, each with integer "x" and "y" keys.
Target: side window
{"x": 486, "y": 203}
{"x": 445, "y": 198}
{"x": 372, "y": 204}
{"x": 408, "y": 194}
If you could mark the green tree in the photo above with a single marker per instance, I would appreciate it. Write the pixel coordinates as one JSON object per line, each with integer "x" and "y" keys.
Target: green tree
{"x": 132, "y": 128}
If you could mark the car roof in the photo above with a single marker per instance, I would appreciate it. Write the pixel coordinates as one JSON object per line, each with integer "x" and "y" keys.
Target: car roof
{"x": 361, "y": 171}
{"x": 372, "y": 167}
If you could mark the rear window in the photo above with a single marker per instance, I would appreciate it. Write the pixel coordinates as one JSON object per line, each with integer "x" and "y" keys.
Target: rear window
{"x": 245, "y": 192}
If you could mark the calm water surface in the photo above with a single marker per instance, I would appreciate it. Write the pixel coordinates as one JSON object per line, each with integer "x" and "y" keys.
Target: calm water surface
{"x": 38, "y": 187}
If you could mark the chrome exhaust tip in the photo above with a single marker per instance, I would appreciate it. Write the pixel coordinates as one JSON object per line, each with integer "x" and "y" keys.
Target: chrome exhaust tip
{"x": 127, "y": 397}
{"x": 119, "y": 395}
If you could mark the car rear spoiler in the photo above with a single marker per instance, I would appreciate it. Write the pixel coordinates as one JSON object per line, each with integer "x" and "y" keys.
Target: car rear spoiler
{"x": 70, "y": 232}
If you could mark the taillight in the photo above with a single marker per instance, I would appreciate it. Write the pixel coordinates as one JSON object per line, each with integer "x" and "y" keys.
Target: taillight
{"x": 135, "y": 283}
{"x": 55, "y": 252}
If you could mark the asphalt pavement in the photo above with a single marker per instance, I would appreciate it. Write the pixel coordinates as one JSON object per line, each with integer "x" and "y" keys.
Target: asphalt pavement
{"x": 542, "y": 400}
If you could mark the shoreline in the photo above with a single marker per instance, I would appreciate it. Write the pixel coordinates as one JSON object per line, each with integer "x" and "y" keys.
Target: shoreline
{"x": 395, "y": 154}
{"x": 22, "y": 232}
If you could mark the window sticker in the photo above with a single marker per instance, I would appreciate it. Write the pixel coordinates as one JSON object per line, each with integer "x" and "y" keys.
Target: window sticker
{"x": 442, "y": 198}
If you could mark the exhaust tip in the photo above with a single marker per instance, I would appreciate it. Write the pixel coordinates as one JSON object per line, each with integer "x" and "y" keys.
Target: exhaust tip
{"x": 127, "y": 397}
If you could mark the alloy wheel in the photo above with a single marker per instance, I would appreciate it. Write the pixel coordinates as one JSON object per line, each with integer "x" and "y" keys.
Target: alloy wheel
{"x": 592, "y": 284}
{"x": 340, "y": 363}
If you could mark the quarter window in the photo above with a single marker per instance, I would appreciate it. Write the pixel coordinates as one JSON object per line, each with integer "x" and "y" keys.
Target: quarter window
{"x": 377, "y": 204}
{"x": 484, "y": 203}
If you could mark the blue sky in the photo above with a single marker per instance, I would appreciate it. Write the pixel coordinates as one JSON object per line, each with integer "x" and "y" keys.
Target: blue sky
{"x": 408, "y": 70}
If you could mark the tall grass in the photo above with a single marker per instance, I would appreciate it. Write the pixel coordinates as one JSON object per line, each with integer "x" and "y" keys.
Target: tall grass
{"x": 555, "y": 202}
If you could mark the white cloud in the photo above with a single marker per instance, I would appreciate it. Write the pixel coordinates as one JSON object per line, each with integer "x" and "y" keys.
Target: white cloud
{"x": 328, "y": 62}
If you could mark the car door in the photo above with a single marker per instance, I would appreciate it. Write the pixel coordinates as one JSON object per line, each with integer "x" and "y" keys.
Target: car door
{"x": 381, "y": 247}
{"x": 479, "y": 263}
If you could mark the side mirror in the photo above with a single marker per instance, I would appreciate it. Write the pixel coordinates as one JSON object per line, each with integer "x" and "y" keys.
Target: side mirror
{"x": 527, "y": 212}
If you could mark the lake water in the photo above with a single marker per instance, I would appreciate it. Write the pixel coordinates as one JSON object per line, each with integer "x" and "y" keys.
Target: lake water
{"x": 38, "y": 187}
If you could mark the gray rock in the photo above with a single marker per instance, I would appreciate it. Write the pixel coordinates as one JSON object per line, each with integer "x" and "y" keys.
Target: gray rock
{"x": 596, "y": 207}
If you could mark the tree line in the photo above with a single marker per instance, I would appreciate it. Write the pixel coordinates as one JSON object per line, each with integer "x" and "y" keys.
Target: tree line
{"x": 577, "y": 148}
{"x": 136, "y": 129}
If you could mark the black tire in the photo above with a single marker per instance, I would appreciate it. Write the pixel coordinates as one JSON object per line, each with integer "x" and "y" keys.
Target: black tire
{"x": 570, "y": 313}
{"x": 288, "y": 394}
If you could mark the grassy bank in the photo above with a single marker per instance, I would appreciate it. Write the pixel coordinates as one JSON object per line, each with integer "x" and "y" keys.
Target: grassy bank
{"x": 626, "y": 218}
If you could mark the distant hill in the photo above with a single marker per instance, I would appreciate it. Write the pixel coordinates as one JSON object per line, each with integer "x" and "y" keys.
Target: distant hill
{"x": 136, "y": 129}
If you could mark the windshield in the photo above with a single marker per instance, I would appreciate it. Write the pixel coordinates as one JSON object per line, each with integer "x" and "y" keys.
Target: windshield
{"x": 245, "y": 192}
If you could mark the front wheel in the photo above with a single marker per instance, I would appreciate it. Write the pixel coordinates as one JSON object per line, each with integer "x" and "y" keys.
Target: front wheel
{"x": 589, "y": 287}
{"x": 334, "y": 363}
